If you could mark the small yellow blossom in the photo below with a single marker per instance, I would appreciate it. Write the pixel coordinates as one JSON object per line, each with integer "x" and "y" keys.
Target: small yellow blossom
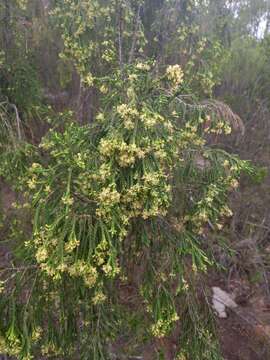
{"x": 67, "y": 200}
{"x": 234, "y": 184}
{"x": 103, "y": 89}
{"x": 143, "y": 66}
{"x": 99, "y": 298}
{"x": 42, "y": 254}
{"x": 100, "y": 117}
{"x": 72, "y": 244}
{"x": 2, "y": 287}
{"x": 36, "y": 334}
{"x": 88, "y": 80}
{"x": 175, "y": 74}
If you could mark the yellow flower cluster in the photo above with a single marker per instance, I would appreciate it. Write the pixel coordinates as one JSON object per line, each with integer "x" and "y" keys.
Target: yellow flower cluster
{"x": 2, "y": 58}
{"x": 181, "y": 356}
{"x": 175, "y": 75}
{"x": 128, "y": 114}
{"x": 151, "y": 119}
{"x": 67, "y": 200}
{"x": 226, "y": 211}
{"x": 147, "y": 117}
{"x": 126, "y": 154}
{"x": 103, "y": 258}
{"x": 46, "y": 255}
{"x": 161, "y": 328}
{"x": 83, "y": 269}
{"x": 2, "y": 286}
{"x": 34, "y": 169}
{"x": 189, "y": 136}
{"x": 85, "y": 42}
{"x": 218, "y": 128}
{"x": 234, "y": 183}
{"x": 72, "y": 244}
{"x": 11, "y": 344}
{"x": 103, "y": 89}
{"x": 101, "y": 252}
{"x": 110, "y": 270}
{"x": 42, "y": 254}
{"x": 36, "y": 334}
{"x": 50, "y": 349}
{"x": 88, "y": 80}
{"x": 109, "y": 196}
{"x": 22, "y": 4}
{"x": 143, "y": 66}
{"x": 152, "y": 186}
{"x": 210, "y": 208}
{"x": 100, "y": 117}
{"x": 80, "y": 159}
{"x": 99, "y": 298}
{"x": 101, "y": 175}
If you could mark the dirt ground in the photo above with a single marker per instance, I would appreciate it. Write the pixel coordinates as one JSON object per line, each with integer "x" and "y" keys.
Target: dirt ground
{"x": 245, "y": 333}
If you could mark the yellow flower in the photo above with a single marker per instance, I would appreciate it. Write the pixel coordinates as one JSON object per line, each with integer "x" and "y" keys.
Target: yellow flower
{"x": 175, "y": 74}
{"x": 185, "y": 285}
{"x": 227, "y": 129}
{"x": 103, "y": 89}
{"x": 88, "y": 80}
{"x": 234, "y": 183}
{"x": 100, "y": 117}
{"x": 72, "y": 245}
{"x": 86, "y": 270}
{"x": 143, "y": 66}
{"x": 181, "y": 356}
{"x": 47, "y": 189}
{"x": 41, "y": 254}
{"x": 219, "y": 226}
{"x": 2, "y": 287}
{"x": 35, "y": 166}
{"x": 128, "y": 114}
{"x": 132, "y": 77}
{"x": 32, "y": 183}
{"x": 99, "y": 298}
{"x": 175, "y": 317}
{"x": 36, "y": 334}
{"x": 67, "y": 200}
{"x": 109, "y": 196}
{"x": 226, "y": 211}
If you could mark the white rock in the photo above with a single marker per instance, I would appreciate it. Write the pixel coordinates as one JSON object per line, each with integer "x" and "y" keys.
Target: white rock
{"x": 221, "y": 299}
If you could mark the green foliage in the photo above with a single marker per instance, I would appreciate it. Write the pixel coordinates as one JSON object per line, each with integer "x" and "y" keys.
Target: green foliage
{"x": 21, "y": 81}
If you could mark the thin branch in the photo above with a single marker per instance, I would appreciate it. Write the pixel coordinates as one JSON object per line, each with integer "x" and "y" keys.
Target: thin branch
{"x": 258, "y": 225}
{"x": 120, "y": 39}
{"x": 21, "y": 268}
{"x": 134, "y": 38}
{"x": 18, "y": 121}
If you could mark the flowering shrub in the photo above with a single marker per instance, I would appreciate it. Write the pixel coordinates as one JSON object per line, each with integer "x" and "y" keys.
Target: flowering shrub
{"x": 124, "y": 193}
{"x": 124, "y": 203}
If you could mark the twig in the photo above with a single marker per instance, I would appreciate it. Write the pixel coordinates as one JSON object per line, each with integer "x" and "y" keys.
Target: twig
{"x": 120, "y": 39}
{"x": 21, "y": 268}
{"x": 258, "y": 225}
{"x": 18, "y": 121}
{"x": 131, "y": 54}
